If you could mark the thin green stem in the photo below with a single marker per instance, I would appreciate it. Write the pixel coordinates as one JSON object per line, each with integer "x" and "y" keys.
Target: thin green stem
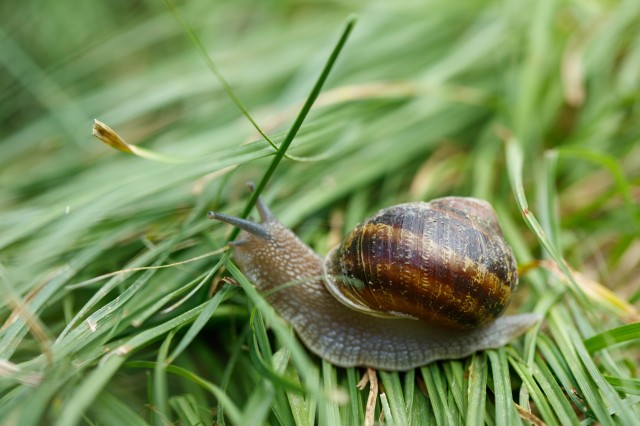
{"x": 298, "y": 121}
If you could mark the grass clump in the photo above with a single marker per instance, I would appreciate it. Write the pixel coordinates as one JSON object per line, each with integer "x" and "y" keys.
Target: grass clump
{"x": 113, "y": 307}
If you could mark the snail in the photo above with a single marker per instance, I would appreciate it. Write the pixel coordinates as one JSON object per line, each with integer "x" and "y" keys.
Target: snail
{"x": 415, "y": 283}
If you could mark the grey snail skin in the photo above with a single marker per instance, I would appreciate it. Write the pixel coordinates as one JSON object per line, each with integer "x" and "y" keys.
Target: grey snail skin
{"x": 416, "y": 283}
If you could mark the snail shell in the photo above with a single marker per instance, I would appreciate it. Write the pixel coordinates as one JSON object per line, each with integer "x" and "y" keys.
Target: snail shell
{"x": 469, "y": 269}
{"x": 445, "y": 262}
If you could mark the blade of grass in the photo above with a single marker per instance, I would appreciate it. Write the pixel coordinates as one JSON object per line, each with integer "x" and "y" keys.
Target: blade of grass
{"x": 260, "y": 351}
{"x": 386, "y": 409}
{"x": 561, "y": 406}
{"x": 46, "y": 90}
{"x": 609, "y": 396}
{"x": 563, "y": 331}
{"x": 505, "y": 413}
{"x": 98, "y": 378}
{"x": 409, "y": 392}
{"x": 355, "y": 399}
{"x": 160, "y": 386}
{"x": 455, "y": 377}
{"x": 555, "y": 361}
{"x": 202, "y": 319}
{"x": 612, "y": 165}
{"x": 395, "y": 397}
{"x": 515, "y": 163}
{"x": 221, "y": 395}
{"x": 295, "y": 127}
{"x": 299, "y": 408}
{"x": 622, "y": 334}
{"x": 111, "y": 410}
{"x": 539, "y": 38}
{"x": 331, "y": 413}
{"x": 298, "y": 355}
{"x": 437, "y": 391}
{"x": 187, "y": 409}
{"x": 541, "y": 403}
{"x": 214, "y": 69}
{"x": 231, "y": 365}
{"x": 621, "y": 384}
{"x": 477, "y": 390}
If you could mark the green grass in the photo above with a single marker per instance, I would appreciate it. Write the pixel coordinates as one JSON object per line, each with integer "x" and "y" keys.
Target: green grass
{"x": 113, "y": 310}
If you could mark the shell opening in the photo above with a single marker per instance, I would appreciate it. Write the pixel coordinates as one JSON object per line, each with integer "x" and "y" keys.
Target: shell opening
{"x": 333, "y": 282}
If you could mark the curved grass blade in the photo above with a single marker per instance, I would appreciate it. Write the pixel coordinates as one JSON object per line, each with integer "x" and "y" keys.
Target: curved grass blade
{"x": 626, "y": 333}
{"x": 231, "y": 409}
{"x": 315, "y": 92}
{"x": 214, "y": 69}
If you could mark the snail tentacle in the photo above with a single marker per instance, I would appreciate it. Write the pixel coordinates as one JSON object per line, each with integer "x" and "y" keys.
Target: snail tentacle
{"x": 253, "y": 228}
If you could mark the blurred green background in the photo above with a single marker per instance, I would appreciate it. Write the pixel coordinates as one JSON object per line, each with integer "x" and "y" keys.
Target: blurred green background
{"x": 421, "y": 103}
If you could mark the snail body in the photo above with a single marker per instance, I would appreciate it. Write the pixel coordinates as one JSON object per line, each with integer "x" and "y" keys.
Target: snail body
{"x": 415, "y": 283}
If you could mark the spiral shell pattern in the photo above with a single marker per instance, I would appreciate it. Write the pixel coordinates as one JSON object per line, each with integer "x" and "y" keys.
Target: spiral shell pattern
{"x": 445, "y": 262}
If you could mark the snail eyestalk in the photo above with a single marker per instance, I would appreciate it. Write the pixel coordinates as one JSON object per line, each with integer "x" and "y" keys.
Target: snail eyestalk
{"x": 264, "y": 212}
{"x": 252, "y": 228}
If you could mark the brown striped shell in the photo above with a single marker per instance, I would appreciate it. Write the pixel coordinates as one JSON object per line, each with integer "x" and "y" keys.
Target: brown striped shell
{"x": 445, "y": 262}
